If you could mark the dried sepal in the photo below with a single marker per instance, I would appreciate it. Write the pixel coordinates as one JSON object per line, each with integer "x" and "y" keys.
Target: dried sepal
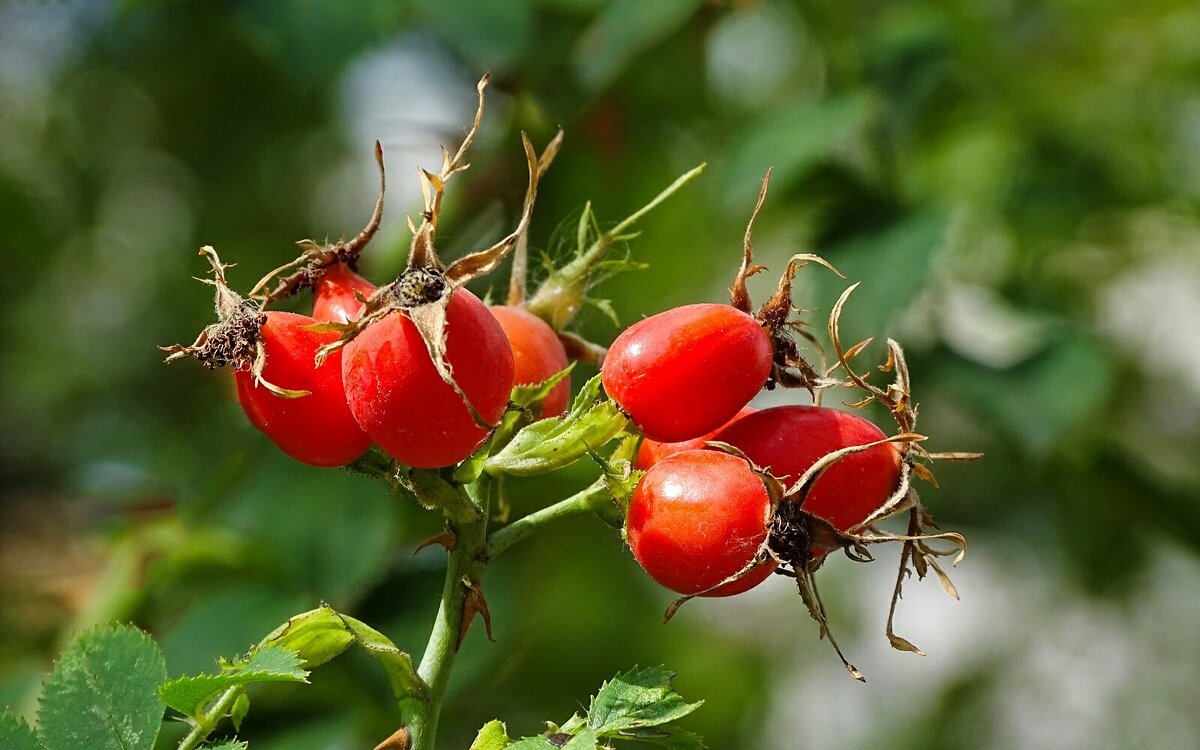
{"x": 520, "y": 262}
{"x": 315, "y": 259}
{"x": 422, "y": 292}
{"x": 739, "y": 295}
{"x": 236, "y": 338}
{"x": 483, "y": 262}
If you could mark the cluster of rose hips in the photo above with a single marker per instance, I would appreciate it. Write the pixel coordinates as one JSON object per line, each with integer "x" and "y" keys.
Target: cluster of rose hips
{"x": 722, "y": 494}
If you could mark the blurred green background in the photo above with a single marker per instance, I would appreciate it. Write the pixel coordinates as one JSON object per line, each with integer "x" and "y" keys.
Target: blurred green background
{"x": 1017, "y": 184}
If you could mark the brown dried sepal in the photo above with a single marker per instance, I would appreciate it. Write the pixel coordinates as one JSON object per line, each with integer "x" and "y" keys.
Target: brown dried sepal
{"x": 235, "y": 338}
{"x": 789, "y": 368}
{"x": 314, "y": 260}
{"x": 422, "y": 292}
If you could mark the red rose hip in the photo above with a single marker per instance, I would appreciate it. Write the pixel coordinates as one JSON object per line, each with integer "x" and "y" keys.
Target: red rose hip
{"x": 317, "y": 429}
{"x": 537, "y": 354}
{"x": 687, "y": 371}
{"x": 697, "y": 518}
{"x": 400, "y": 401}
{"x": 787, "y": 440}
{"x": 334, "y": 298}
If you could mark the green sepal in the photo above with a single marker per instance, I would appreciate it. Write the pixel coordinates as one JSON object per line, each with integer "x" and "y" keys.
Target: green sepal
{"x": 553, "y": 443}
{"x": 321, "y": 634}
{"x": 493, "y": 736}
{"x": 316, "y": 636}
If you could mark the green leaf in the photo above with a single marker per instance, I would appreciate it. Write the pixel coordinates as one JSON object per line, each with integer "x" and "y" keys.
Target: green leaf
{"x": 15, "y": 734}
{"x": 556, "y": 442}
{"x": 533, "y": 743}
{"x": 101, "y": 695}
{"x": 528, "y": 395}
{"x": 637, "y": 698}
{"x": 585, "y": 740}
{"x": 188, "y": 695}
{"x": 492, "y": 736}
{"x": 230, "y": 745}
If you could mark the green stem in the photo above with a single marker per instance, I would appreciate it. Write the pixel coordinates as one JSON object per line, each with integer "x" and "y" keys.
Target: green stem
{"x": 464, "y": 564}
{"x": 208, "y": 721}
{"x": 581, "y": 503}
{"x": 560, "y": 297}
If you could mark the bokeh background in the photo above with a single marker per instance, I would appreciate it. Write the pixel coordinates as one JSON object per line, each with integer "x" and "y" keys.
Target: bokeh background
{"x": 1017, "y": 184}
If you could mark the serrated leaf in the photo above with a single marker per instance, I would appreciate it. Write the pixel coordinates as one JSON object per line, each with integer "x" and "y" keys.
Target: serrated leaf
{"x": 492, "y": 736}
{"x": 585, "y": 740}
{"x": 528, "y": 395}
{"x": 101, "y": 695}
{"x": 637, "y": 698}
{"x": 533, "y": 743}
{"x": 15, "y": 734}
{"x": 229, "y": 745}
{"x": 271, "y": 663}
{"x": 556, "y": 442}
{"x": 573, "y": 724}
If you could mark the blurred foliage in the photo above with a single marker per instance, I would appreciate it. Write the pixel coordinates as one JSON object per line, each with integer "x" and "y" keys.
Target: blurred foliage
{"x": 1016, "y": 184}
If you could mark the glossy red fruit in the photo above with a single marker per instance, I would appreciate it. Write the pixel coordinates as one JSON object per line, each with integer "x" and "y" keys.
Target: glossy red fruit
{"x": 334, "y": 299}
{"x": 402, "y": 403}
{"x": 687, "y": 371}
{"x": 697, "y": 518}
{"x": 537, "y": 354}
{"x": 317, "y": 429}
{"x": 651, "y": 452}
{"x": 787, "y": 440}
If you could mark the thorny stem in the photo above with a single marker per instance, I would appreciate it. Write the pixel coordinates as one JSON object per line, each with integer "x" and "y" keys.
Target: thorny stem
{"x": 208, "y": 720}
{"x": 442, "y": 647}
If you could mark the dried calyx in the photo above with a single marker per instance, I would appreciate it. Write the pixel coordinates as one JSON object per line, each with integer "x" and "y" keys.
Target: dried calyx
{"x": 235, "y": 339}
{"x": 315, "y": 260}
{"x": 422, "y": 291}
{"x": 789, "y": 368}
{"x": 794, "y": 533}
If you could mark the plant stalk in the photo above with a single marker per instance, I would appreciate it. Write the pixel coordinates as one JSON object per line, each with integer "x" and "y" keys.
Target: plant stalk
{"x": 208, "y": 721}
{"x": 464, "y": 564}
{"x": 581, "y": 503}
